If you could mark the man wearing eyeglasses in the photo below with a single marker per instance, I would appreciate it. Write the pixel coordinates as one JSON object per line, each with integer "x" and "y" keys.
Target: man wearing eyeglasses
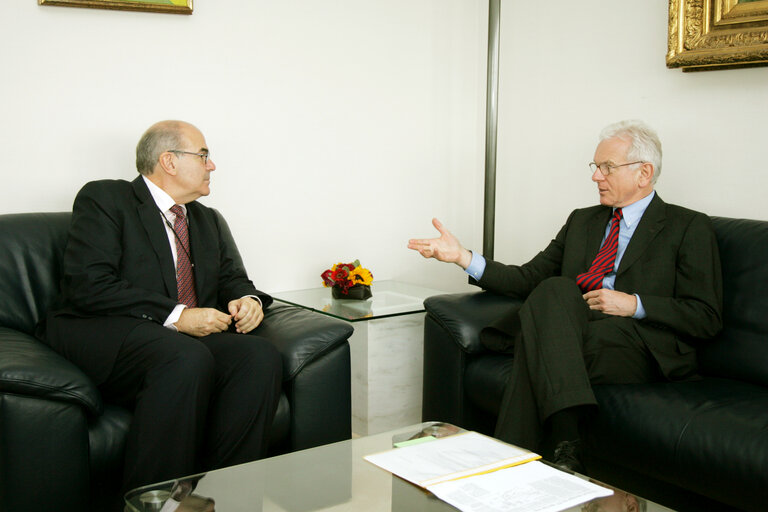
{"x": 156, "y": 308}
{"x": 619, "y": 296}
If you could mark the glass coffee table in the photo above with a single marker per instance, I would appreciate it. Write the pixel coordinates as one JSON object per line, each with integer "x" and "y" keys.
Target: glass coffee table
{"x": 333, "y": 477}
{"x": 386, "y": 350}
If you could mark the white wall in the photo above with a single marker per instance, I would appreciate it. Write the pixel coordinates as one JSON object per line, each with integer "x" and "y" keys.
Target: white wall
{"x": 339, "y": 127}
{"x": 570, "y": 68}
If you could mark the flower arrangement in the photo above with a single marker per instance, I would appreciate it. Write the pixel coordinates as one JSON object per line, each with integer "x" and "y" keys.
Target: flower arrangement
{"x": 344, "y": 278}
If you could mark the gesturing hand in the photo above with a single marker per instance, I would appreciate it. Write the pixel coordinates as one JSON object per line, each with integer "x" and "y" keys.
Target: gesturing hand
{"x": 446, "y": 248}
{"x": 247, "y": 313}
{"x": 202, "y": 321}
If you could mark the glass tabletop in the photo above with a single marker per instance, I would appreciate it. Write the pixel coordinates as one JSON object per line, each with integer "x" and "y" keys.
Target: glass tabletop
{"x": 390, "y": 298}
{"x": 332, "y": 477}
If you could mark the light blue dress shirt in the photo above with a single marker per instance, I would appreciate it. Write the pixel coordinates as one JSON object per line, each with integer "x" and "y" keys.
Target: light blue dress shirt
{"x": 631, "y": 216}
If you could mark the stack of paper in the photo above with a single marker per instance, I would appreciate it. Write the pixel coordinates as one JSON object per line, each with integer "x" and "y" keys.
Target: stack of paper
{"x": 474, "y": 472}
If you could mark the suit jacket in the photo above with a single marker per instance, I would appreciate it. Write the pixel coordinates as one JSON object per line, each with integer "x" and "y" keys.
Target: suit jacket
{"x": 672, "y": 262}
{"x": 119, "y": 271}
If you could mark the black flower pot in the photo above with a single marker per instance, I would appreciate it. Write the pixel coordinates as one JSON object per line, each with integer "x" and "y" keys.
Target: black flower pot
{"x": 356, "y": 292}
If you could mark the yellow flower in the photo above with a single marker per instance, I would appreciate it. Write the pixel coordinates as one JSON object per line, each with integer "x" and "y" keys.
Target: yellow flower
{"x": 361, "y": 275}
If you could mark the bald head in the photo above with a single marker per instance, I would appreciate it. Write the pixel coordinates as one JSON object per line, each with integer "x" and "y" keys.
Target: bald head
{"x": 160, "y": 137}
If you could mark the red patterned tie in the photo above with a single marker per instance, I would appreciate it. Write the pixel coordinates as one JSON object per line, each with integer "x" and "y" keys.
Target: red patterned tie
{"x": 185, "y": 279}
{"x": 592, "y": 279}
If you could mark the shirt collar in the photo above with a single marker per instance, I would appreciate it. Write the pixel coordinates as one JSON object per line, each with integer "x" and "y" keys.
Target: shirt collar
{"x": 634, "y": 212}
{"x": 160, "y": 196}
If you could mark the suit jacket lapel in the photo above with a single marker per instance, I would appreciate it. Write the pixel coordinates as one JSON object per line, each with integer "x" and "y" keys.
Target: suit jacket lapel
{"x": 199, "y": 234}
{"x": 158, "y": 238}
{"x": 595, "y": 234}
{"x": 650, "y": 225}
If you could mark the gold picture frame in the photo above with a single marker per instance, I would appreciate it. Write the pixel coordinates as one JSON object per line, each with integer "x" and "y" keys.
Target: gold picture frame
{"x": 712, "y": 34}
{"x": 168, "y": 6}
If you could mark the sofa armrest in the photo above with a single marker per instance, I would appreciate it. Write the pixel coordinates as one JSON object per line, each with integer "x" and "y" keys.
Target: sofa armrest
{"x": 316, "y": 371}
{"x": 321, "y": 401}
{"x": 301, "y": 336}
{"x": 464, "y": 315}
{"x": 451, "y": 341}
{"x": 31, "y": 368}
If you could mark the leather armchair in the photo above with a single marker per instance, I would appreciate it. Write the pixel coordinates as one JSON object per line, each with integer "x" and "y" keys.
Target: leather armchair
{"x": 697, "y": 445}
{"x": 61, "y": 446}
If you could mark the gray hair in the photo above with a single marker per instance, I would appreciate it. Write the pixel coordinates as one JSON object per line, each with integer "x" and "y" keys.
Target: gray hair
{"x": 158, "y": 139}
{"x": 646, "y": 145}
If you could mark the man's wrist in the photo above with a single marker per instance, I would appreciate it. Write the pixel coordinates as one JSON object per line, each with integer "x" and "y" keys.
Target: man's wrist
{"x": 639, "y": 309}
{"x": 465, "y": 258}
{"x": 476, "y": 268}
{"x": 174, "y": 317}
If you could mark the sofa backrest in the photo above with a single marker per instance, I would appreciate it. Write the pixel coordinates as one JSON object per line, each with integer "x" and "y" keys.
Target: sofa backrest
{"x": 31, "y": 249}
{"x": 740, "y": 351}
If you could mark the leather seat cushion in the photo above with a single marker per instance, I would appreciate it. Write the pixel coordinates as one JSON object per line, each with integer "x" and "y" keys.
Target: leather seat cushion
{"x": 691, "y": 434}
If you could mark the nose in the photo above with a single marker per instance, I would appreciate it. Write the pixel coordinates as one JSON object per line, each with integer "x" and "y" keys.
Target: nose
{"x": 597, "y": 176}
{"x": 210, "y": 165}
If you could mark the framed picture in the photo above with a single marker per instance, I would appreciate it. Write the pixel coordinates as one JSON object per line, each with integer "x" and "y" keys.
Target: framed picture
{"x": 711, "y": 34}
{"x": 172, "y": 6}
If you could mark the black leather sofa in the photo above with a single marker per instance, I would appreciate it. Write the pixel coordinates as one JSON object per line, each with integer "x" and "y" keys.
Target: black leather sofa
{"x": 61, "y": 446}
{"x": 698, "y": 445}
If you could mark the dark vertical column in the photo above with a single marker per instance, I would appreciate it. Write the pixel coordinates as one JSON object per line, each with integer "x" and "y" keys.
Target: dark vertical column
{"x": 491, "y": 127}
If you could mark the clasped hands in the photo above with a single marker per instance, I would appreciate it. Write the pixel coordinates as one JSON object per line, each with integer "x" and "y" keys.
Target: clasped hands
{"x": 246, "y": 312}
{"x": 447, "y": 248}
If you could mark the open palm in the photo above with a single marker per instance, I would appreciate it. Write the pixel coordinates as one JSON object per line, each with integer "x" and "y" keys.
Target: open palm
{"x": 446, "y": 248}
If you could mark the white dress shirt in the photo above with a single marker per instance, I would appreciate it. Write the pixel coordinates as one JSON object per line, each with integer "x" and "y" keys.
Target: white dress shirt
{"x": 164, "y": 203}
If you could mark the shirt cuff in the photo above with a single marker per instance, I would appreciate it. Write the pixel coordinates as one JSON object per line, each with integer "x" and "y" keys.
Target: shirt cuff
{"x": 476, "y": 267}
{"x": 174, "y": 317}
{"x": 640, "y": 311}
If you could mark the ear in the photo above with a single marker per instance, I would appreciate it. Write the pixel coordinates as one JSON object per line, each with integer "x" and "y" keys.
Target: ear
{"x": 647, "y": 171}
{"x": 167, "y": 163}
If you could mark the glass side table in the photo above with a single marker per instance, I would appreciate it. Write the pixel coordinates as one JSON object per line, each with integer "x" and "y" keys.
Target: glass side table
{"x": 390, "y": 298}
{"x": 386, "y": 350}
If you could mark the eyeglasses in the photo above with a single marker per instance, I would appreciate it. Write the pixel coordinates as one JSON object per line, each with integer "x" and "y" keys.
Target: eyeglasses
{"x": 205, "y": 156}
{"x": 607, "y": 168}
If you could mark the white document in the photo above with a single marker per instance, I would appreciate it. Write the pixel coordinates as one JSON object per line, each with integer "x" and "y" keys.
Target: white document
{"x": 448, "y": 458}
{"x": 531, "y": 487}
{"x": 476, "y": 473}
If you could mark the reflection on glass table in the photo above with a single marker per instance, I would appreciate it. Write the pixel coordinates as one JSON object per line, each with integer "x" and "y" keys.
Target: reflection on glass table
{"x": 390, "y": 298}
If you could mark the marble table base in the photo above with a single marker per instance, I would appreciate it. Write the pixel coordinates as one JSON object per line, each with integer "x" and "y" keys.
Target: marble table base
{"x": 387, "y": 374}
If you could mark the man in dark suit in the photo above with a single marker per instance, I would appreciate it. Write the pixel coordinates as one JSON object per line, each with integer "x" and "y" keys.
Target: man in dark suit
{"x": 619, "y": 296}
{"x": 174, "y": 350}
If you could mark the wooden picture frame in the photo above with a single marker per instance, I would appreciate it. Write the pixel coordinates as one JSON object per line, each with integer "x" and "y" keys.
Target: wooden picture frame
{"x": 167, "y": 6}
{"x": 712, "y": 34}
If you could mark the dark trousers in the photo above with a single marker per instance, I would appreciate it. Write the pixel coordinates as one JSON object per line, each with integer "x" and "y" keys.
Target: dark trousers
{"x": 561, "y": 350}
{"x": 199, "y": 403}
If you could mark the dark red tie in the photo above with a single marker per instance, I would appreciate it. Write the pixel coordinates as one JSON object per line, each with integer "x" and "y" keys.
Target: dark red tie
{"x": 592, "y": 279}
{"x": 185, "y": 279}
